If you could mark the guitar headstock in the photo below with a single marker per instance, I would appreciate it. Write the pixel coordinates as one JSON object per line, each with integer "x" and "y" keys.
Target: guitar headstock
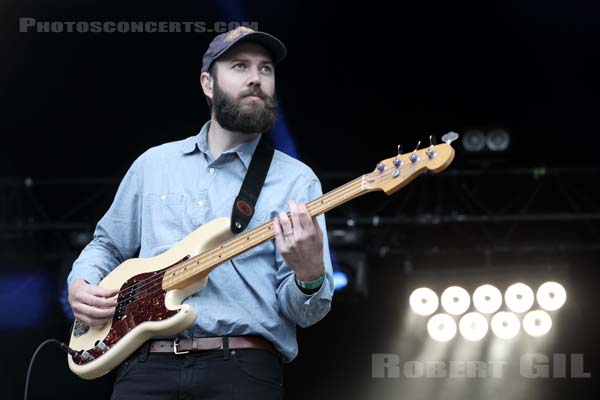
{"x": 391, "y": 174}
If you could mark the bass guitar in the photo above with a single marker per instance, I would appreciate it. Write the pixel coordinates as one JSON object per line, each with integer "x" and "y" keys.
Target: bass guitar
{"x": 152, "y": 290}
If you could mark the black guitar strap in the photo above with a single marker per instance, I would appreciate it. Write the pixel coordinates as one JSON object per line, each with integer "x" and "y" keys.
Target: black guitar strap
{"x": 243, "y": 206}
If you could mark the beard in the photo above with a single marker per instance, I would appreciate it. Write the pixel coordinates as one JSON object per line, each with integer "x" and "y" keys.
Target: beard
{"x": 255, "y": 117}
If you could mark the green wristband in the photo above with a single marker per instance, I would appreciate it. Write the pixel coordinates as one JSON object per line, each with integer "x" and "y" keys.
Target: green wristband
{"x": 311, "y": 284}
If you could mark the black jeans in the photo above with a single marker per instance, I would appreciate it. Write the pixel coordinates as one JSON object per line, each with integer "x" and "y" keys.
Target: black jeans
{"x": 246, "y": 374}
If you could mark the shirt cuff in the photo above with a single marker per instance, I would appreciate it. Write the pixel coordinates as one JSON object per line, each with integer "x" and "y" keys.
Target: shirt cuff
{"x": 304, "y": 297}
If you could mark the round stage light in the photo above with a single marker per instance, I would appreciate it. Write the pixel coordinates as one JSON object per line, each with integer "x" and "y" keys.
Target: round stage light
{"x": 505, "y": 325}
{"x": 487, "y": 299}
{"x": 473, "y": 140}
{"x": 473, "y": 326}
{"x": 455, "y": 300}
{"x": 537, "y": 323}
{"x": 497, "y": 140}
{"x": 519, "y": 297}
{"x": 441, "y": 327}
{"x": 551, "y": 296}
{"x": 424, "y": 301}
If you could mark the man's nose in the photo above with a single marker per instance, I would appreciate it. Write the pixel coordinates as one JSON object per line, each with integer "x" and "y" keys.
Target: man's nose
{"x": 254, "y": 78}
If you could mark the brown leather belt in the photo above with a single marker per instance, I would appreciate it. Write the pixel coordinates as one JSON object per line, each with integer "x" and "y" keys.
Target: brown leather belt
{"x": 194, "y": 344}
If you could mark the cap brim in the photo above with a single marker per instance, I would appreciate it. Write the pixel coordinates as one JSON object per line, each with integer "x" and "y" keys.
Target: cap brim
{"x": 274, "y": 46}
{"x": 269, "y": 42}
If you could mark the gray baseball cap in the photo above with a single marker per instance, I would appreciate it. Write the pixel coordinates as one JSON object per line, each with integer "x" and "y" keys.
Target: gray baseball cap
{"x": 224, "y": 41}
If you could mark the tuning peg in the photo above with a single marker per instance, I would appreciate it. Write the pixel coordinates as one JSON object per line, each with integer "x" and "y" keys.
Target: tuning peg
{"x": 430, "y": 151}
{"x": 414, "y": 158}
{"x": 397, "y": 161}
{"x": 450, "y": 137}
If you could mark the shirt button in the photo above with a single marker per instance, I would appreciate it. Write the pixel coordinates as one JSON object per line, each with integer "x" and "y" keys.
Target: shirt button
{"x": 211, "y": 170}
{"x": 163, "y": 197}
{"x": 200, "y": 203}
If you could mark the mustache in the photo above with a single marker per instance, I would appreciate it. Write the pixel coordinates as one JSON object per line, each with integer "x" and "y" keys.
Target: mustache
{"x": 256, "y": 91}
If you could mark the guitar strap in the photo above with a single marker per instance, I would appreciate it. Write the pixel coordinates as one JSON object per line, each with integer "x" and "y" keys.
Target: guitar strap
{"x": 243, "y": 206}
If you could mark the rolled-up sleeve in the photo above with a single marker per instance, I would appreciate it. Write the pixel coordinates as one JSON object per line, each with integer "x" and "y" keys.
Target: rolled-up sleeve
{"x": 305, "y": 309}
{"x": 117, "y": 235}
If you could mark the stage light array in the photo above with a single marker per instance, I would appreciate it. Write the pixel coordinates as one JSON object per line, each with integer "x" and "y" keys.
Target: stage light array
{"x": 487, "y": 301}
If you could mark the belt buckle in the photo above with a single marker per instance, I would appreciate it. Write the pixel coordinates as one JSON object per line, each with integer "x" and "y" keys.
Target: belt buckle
{"x": 175, "y": 344}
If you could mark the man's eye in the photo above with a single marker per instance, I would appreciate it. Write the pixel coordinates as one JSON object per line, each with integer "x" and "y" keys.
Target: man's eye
{"x": 267, "y": 69}
{"x": 239, "y": 66}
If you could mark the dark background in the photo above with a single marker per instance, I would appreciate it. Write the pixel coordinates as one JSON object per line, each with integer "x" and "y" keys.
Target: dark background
{"x": 77, "y": 109}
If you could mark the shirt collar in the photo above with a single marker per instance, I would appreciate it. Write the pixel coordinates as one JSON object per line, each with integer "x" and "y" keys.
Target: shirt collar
{"x": 244, "y": 150}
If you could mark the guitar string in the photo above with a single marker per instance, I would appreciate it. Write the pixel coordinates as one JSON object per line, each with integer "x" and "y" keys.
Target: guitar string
{"x": 236, "y": 241}
{"x": 263, "y": 230}
{"x": 148, "y": 283}
{"x": 334, "y": 194}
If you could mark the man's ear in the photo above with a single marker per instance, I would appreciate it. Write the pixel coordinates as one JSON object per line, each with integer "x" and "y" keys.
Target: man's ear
{"x": 206, "y": 81}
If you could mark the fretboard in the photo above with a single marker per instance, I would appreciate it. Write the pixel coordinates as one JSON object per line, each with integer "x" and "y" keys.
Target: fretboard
{"x": 192, "y": 269}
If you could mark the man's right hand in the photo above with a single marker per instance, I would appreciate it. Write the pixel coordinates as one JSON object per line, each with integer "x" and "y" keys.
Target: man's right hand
{"x": 91, "y": 304}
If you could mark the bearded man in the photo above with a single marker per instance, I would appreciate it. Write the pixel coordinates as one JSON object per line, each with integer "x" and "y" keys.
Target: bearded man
{"x": 249, "y": 309}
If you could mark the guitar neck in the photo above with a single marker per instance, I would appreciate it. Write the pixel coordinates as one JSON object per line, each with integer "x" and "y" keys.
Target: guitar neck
{"x": 390, "y": 175}
{"x": 197, "y": 267}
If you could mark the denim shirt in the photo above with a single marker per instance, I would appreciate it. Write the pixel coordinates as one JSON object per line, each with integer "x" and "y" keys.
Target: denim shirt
{"x": 171, "y": 190}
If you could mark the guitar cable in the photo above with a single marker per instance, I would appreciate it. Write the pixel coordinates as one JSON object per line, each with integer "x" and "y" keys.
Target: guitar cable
{"x": 60, "y": 344}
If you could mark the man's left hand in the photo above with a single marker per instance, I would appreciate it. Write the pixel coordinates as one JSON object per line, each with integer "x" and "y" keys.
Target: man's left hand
{"x": 300, "y": 241}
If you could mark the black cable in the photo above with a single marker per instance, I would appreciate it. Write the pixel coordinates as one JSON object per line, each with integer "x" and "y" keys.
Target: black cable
{"x": 60, "y": 344}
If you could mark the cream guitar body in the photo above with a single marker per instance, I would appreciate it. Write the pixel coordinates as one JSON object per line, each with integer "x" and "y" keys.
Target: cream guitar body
{"x": 143, "y": 311}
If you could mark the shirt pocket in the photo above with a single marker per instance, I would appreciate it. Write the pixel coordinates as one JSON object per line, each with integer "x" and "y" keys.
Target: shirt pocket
{"x": 164, "y": 218}
{"x": 198, "y": 210}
